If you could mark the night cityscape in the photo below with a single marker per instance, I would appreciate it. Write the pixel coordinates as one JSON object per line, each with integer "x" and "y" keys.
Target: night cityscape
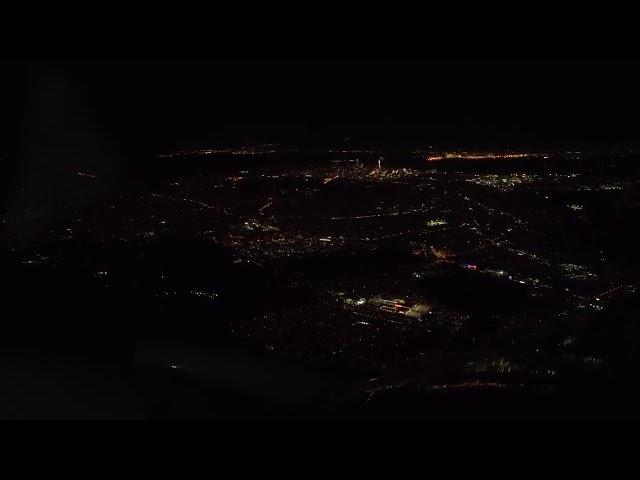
{"x": 366, "y": 252}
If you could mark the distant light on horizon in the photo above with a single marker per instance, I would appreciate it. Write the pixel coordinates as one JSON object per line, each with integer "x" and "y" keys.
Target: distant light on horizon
{"x": 477, "y": 156}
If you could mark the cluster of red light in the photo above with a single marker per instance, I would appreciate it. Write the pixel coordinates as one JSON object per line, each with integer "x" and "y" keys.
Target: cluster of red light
{"x": 475, "y": 156}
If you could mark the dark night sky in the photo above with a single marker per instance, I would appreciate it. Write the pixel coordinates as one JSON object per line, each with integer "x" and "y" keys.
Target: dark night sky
{"x": 148, "y": 106}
